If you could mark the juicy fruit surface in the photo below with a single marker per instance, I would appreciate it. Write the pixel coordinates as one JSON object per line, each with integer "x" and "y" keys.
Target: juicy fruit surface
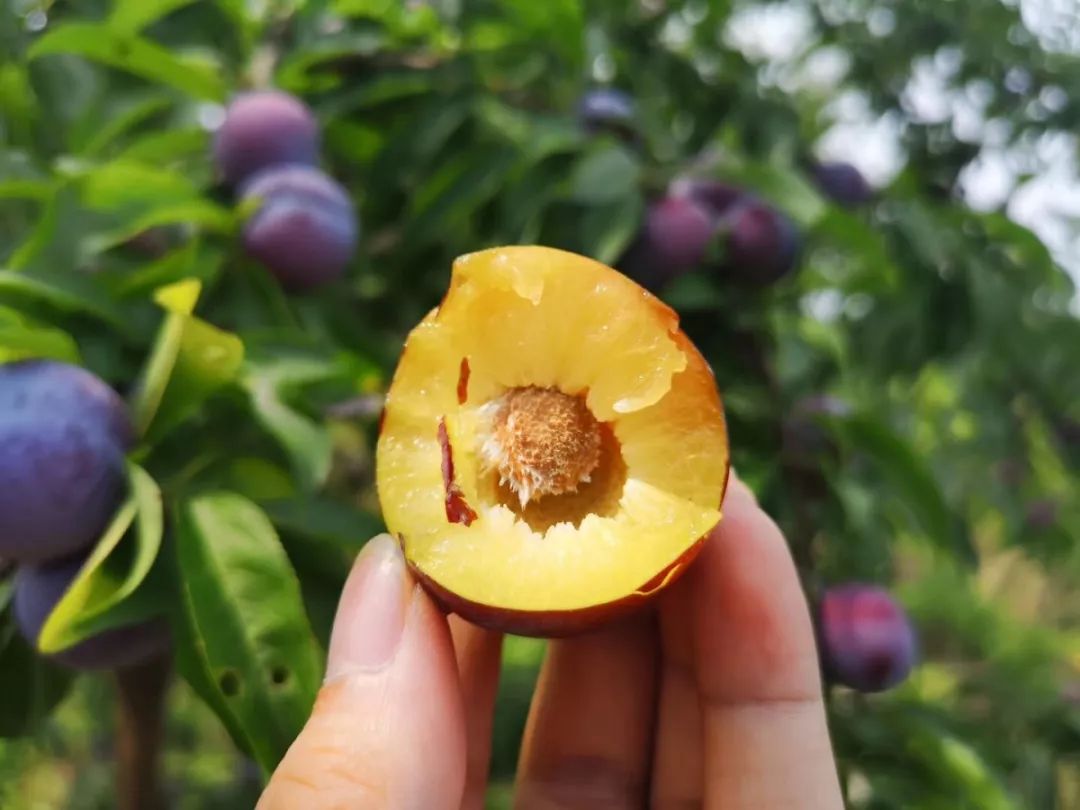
{"x": 305, "y": 228}
{"x": 38, "y": 589}
{"x": 264, "y": 129}
{"x": 535, "y": 317}
{"x": 63, "y": 433}
{"x": 867, "y": 641}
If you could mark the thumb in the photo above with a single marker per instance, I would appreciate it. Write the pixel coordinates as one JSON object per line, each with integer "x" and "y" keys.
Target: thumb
{"x": 388, "y": 728}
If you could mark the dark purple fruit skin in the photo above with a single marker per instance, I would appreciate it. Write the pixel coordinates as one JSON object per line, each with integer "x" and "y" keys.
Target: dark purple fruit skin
{"x": 842, "y": 183}
{"x": 37, "y": 591}
{"x": 716, "y": 196}
{"x": 762, "y": 245}
{"x": 606, "y": 109}
{"x": 674, "y": 240}
{"x": 867, "y": 640}
{"x": 679, "y": 230}
{"x": 63, "y": 433}
{"x": 305, "y": 229}
{"x": 264, "y": 129}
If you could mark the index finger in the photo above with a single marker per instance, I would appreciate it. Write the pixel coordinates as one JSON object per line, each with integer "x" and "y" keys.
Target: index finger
{"x": 741, "y": 670}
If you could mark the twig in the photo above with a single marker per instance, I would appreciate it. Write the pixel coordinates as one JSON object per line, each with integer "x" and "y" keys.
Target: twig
{"x": 141, "y": 691}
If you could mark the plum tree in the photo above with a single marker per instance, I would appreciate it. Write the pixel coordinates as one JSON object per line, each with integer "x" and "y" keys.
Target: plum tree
{"x": 867, "y": 640}
{"x": 606, "y": 109}
{"x": 38, "y": 589}
{"x": 263, "y": 129}
{"x": 64, "y": 433}
{"x": 842, "y": 183}
{"x": 305, "y": 227}
{"x": 761, "y": 245}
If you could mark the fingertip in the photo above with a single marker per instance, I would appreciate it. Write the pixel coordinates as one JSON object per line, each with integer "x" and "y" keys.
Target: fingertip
{"x": 737, "y": 490}
{"x": 371, "y": 613}
{"x": 392, "y": 700}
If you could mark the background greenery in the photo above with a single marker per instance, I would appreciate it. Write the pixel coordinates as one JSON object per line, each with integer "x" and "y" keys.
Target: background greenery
{"x": 951, "y": 334}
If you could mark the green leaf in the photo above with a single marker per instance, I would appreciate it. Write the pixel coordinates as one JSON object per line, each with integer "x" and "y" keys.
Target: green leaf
{"x": 192, "y": 260}
{"x": 604, "y": 175}
{"x": 380, "y": 90}
{"x": 69, "y": 292}
{"x": 106, "y": 593}
{"x": 326, "y": 520}
{"x": 25, "y": 188}
{"x": 128, "y": 117}
{"x": 537, "y": 137}
{"x": 449, "y": 197}
{"x": 18, "y": 342}
{"x": 190, "y": 361}
{"x": 306, "y": 442}
{"x": 910, "y": 480}
{"x": 607, "y": 230}
{"x": 208, "y": 359}
{"x": 125, "y": 183}
{"x": 272, "y": 375}
{"x": 41, "y": 248}
{"x": 30, "y": 686}
{"x": 208, "y": 216}
{"x": 103, "y": 43}
{"x": 259, "y": 479}
{"x": 957, "y": 763}
{"x": 131, "y": 16}
{"x": 877, "y": 272}
{"x": 168, "y": 146}
{"x": 252, "y": 653}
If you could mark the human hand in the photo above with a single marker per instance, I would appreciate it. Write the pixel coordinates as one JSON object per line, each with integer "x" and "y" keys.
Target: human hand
{"x": 711, "y": 700}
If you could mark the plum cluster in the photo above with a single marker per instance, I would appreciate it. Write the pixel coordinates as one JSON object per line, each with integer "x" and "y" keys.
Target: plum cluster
{"x": 64, "y": 433}
{"x": 303, "y": 227}
{"x": 706, "y": 223}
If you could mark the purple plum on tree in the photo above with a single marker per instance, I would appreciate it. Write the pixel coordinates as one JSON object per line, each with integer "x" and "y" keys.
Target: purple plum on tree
{"x": 867, "y": 640}
{"x": 761, "y": 245}
{"x": 263, "y": 129}
{"x": 64, "y": 434}
{"x": 842, "y": 183}
{"x": 304, "y": 229}
{"x": 39, "y": 588}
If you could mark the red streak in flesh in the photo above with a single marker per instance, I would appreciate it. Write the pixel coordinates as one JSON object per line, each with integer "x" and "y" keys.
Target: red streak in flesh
{"x": 463, "y": 381}
{"x": 457, "y": 509}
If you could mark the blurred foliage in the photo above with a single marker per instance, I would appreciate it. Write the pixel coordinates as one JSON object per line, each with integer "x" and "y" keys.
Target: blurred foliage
{"x": 949, "y": 333}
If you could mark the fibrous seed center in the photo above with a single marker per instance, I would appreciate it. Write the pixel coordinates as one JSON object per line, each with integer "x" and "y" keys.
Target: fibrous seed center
{"x": 541, "y": 441}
